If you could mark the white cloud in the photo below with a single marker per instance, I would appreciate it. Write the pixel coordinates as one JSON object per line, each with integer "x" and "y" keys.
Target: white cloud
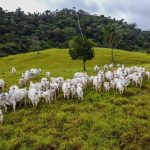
{"x": 25, "y": 5}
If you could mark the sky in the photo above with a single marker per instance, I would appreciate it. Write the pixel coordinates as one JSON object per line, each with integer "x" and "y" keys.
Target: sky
{"x": 132, "y": 11}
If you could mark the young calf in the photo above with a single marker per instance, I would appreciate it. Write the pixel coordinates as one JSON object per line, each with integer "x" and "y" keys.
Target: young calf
{"x": 73, "y": 91}
{"x": 106, "y": 86}
{"x": 80, "y": 91}
{"x": 66, "y": 89}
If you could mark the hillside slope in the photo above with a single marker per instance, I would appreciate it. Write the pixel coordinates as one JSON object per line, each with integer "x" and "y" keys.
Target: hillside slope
{"x": 101, "y": 121}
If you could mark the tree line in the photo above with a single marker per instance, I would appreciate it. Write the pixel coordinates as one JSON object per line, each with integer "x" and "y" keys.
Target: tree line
{"x": 21, "y": 32}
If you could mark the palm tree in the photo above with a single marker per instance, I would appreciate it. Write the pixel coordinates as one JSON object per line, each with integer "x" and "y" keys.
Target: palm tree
{"x": 112, "y": 36}
{"x": 36, "y": 44}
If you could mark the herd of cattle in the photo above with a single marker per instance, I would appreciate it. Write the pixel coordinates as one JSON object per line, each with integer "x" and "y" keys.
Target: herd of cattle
{"x": 49, "y": 87}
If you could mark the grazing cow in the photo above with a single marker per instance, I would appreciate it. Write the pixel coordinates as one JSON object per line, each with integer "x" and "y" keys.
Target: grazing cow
{"x": 96, "y": 69}
{"x": 18, "y": 96}
{"x": 13, "y": 70}
{"x": 1, "y": 116}
{"x": 66, "y": 89}
{"x": 2, "y": 84}
{"x": 107, "y": 86}
{"x": 80, "y": 91}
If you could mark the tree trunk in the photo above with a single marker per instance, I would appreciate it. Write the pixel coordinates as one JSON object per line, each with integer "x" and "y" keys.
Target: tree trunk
{"x": 84, "y": 68}
{"x": 112, "y": 55}
{"x": 38, "y": 52}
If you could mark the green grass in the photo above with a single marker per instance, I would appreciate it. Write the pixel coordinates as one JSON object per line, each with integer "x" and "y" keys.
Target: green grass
{"x": 102, "y": 121}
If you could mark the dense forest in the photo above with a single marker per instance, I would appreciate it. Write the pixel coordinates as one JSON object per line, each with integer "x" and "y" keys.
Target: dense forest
{"x": 21, "y": 32}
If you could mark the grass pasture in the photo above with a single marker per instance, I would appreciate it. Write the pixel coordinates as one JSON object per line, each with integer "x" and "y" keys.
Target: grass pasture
{"x": 102, "y": 121}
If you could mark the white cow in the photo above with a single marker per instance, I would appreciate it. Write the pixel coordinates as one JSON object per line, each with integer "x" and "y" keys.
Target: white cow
{"x": 80, "y": 91}
{"x": 35, "y": 72}
{"x": 107, "y": 86}
{"x": 73, "y": 91}
{"x": 18, "y": 96}
{"x": 80, "y": 74}
{"x": 13, "y": 70}
{"x": 97, "y": 83}
{"x": 27, "y": 75}
{"x": 12, "y": 89}
{"x": 96, "y": 69}
{"x": 4, "y": 101}
{"x": 112, "y": 84}
{"x": 33, "y": 95}
{"x": 45, "y": 95}
{"x": 109, "y": 75}
{"x": 48, "y": 75}
{"x": 120, "y": 87}
{"x": 137, "y": 78}
{"x": 44, "y": 84}
{"x": 66, "y": 89}
{"x": 36, "y": 85}
{"x": 52, "y": 92}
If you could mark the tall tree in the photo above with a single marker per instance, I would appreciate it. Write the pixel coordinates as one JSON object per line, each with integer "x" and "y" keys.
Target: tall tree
{"x": 81, "y": 48}
{"x": 112, "y": 36}
{"x": 35, "y": 44}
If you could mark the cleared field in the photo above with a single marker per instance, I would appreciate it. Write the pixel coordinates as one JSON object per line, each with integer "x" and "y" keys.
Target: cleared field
{"x": 101, "y": 121}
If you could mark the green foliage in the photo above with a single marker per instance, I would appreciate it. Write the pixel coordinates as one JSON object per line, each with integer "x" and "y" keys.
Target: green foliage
{"x": 112, "y": 36}
{"x": 56, "y": 28}
{"x": 81, "y": 48}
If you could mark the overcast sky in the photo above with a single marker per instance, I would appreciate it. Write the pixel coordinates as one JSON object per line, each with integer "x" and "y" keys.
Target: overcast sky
{"x": 137, "y": 11}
